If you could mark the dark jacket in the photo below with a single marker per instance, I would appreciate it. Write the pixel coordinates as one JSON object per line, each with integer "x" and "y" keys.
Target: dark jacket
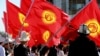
{"x": 21, "y": 51}
{"x": 82, "y": 46}
{"x": 52, "y": 51}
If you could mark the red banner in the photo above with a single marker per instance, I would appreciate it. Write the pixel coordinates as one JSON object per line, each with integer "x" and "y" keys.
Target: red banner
{"x": 89, "y": 15}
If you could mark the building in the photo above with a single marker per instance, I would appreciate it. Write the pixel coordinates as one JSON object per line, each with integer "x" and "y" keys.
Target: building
{"x": 71, "y": 6}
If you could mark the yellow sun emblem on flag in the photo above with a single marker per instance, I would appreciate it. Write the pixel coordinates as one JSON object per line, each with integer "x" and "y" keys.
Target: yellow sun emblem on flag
{"x": 22, "y": 18}
{"x": 46, "y": 35}
{"x": 94, "y": 27}
{"x": 48, "y": 17}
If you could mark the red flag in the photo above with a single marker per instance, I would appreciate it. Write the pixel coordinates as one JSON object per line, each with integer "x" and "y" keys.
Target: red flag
{"x": 89, "y": 15}
{"x": 4, "y": 19}
{"x": 8, "y": 29}
{"x": 48, "y": 21}
{"x": 25, "y": 5}
{"x": 15, "y": 18}
{"x": 18, "y": 22}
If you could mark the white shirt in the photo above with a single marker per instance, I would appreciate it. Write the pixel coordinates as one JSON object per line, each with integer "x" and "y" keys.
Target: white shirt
{"x": 60, "y": 53}
{"x": 32, "y": 54}
{"x": 2, "y": 51}
{"x": 99, "y": 53}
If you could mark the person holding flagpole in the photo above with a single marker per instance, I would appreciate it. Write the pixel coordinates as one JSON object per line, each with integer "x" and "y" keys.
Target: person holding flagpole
{"x": 82, "y": 45}
{"x": 22, "y": 49}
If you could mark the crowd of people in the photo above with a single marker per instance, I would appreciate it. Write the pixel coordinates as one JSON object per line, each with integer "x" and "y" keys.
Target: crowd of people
{"x": 81, "y": 46}
{"x": 8, "y": 48}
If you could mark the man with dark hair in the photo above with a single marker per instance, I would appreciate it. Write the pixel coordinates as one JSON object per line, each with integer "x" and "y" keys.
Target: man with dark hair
{"x": 82, "y": 45}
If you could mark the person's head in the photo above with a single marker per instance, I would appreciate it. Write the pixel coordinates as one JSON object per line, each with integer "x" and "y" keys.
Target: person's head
{"x": 24, "y": 38}
{"x": 60, "y": 46}
{"x": 83, "y": 29}
{"x": 10, "y": 39}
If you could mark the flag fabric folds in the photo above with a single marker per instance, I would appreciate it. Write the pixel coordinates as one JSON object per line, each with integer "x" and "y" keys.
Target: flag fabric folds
{"x": 15, "y": 18}
{"x": 47, "y": 19}
{"x": 4, "y": 19}
{"x": 89, "y": 15}
{"x": 8, "y": 29}
{"x": 18, "y": 22}
{"x": 47, "y": 23}
{"x": 25, "y": 5}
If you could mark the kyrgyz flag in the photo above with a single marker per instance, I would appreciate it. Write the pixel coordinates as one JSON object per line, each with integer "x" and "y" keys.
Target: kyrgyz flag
{"x": 5, "y": 20}
{"x": 89, "y": 15}
{"x": 8, "y": 29}
{"x": 16, "y": 18}
{"x": 48, "y": 21}
{"x": 17, "y": 22}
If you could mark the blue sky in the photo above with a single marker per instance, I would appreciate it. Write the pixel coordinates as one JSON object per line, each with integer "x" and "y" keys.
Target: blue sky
{"x": 3, "y": 8}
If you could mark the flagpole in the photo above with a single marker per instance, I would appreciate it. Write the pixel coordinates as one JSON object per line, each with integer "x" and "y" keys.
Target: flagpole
{"x": 27, "y": 14}
{"x": 62, "y": 27}
{"x": 66, "y": 23}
